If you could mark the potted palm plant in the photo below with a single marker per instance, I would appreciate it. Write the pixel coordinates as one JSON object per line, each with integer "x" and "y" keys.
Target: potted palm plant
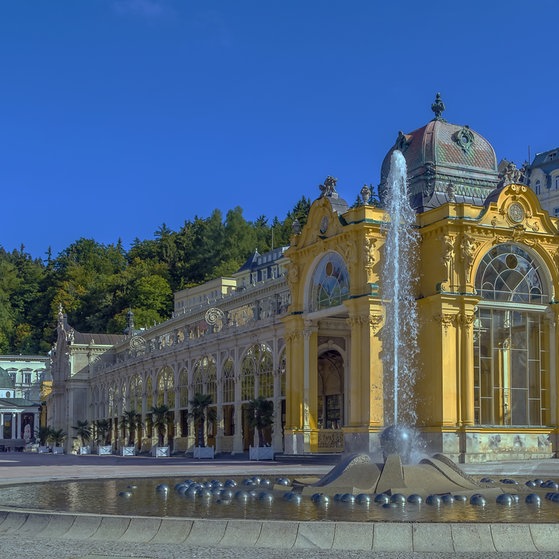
{"x": 132, "y": 422}
{"x": 261, "y": 416}
{"x": 160, "y": 421}
{"x": 43, "y": 435}
{"x": 102, "y": 428}
{"x": 202, "y": 413}
{"x": 57, "y": 437}
{"x": 83, "y": 434}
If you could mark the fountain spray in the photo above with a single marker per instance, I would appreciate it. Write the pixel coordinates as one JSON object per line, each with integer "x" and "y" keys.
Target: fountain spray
{"x": 398, "y": 276}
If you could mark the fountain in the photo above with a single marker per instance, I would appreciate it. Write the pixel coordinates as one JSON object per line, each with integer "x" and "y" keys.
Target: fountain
{"x": 399, "y": 334}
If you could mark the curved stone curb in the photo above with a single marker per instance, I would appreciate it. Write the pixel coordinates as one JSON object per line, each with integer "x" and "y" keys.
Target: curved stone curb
{"x": 173, "y": 531}
{"x": 371, "y": 536}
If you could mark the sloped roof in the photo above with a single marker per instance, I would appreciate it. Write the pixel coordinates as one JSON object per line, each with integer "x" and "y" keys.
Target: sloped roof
{"x": 97, "y": 339}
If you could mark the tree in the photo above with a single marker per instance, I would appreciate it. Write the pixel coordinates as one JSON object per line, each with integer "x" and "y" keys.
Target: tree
{"x": 101, "y": 428}
{"x": 43, "y": 434}
{"x": 200, "y": 413}
{"x": 261, "y": 416}
{"x": 83, "y": 432}
{"x": 160, "y": 421}
{"x": 132, "y": 421}
{"x": 57, "y": 436}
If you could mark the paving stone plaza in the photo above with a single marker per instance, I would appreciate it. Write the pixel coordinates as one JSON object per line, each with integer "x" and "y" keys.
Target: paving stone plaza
{"x": 31, "y": 534}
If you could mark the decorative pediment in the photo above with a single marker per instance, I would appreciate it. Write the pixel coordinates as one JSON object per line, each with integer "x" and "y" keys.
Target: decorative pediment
{"x": 323, "y": 222}
{"x": 517, "y": 207}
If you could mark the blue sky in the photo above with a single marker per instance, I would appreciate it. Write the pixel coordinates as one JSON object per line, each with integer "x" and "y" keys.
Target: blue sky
{"x": 117, "y": 116}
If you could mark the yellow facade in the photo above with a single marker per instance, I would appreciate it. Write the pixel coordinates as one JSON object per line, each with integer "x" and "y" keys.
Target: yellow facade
{"x": 454, "y": 238}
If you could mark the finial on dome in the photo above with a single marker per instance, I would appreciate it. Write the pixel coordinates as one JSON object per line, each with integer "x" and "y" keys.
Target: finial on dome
{"x": 438, "y": 107}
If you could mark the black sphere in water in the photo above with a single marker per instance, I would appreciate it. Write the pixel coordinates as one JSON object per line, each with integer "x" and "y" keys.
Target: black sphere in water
{"x": 397, "y": 439}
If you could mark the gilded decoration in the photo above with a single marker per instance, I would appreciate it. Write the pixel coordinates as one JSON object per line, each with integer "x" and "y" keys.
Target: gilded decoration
{"x": 516, "y": 212}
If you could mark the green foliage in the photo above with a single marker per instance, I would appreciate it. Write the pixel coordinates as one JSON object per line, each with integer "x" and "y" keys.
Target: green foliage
{"x": 97, "y": 284}
{"x": 83, "y": 431}
{"x": 200, "y": 411}
{"x": 100, "y": 431}
{"x": 57, "y": 436}
{"x": 160, "y": 417}
{"x": 132, "y": 421}
{"x": 261, "y": 416}
{"x": 43, "y": 434}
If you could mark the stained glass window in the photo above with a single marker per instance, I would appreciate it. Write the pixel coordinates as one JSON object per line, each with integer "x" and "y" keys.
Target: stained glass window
{"x": 330, "y": 283}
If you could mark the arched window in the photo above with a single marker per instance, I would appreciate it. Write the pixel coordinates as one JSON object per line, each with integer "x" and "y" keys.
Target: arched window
{"x": 508, "y": 273}
{"x": 511, "y": 340}
{"x": 266, "y": 374}
{"x": 149, "y": 393}
{"x": 183, "y": 388}
{"x": 205, "y": 378}
{"x": 257, "y": 361}
{"x": 329, "y": 283}
{"x": 135, "y": 394}
{"x": 165, "y": 385}
{"x": 283, "y": 376}
{"x": 228, "y": 382}
{"x": 248, "y": 375}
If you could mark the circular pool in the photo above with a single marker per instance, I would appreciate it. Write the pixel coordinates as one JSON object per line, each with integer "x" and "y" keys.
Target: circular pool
{"x": 272, "y": 498}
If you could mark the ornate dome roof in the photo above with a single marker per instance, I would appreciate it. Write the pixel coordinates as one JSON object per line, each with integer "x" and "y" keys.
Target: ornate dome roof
{"x": 445, "y": 162}
{"x": 5, "y": 380}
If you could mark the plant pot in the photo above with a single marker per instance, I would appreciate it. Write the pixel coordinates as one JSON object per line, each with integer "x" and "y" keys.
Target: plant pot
{"x": 84, "y": 450}
{"x": 128, "y": 450}
{"x": 44, "y": 449}
{"x": 261, "y": 453}
{"x": 57, "y": 450}
{"x": 104, "y": 450}
{"x": 204, "y": 452}
{"x": 161, "y": 451}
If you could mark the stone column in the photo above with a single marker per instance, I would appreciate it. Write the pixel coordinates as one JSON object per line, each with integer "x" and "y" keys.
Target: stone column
{"x": 466, "y": 320}
{"x": 277, "y": 439}
{"x": 177, "y": 429}
{"x": 237, "y": 413}
{"x": 310, "y": 384}
{"x": 220, "y": 430}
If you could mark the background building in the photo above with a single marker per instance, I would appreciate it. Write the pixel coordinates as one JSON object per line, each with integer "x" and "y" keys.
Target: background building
{"x": 542, "y": 175}
{"x": 21, "y": 378}
{"x": 303, "y": 327}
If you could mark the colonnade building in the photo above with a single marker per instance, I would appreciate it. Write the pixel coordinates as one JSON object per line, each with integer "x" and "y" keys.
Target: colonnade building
{"x": 308, "y": 335}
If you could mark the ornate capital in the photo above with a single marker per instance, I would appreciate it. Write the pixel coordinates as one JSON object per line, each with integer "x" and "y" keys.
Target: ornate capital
{"x": 446, "y": 319}
{"x": 466, "y": 319}
{"x": 356, "y": 320}
{"x": 375, "y": 322}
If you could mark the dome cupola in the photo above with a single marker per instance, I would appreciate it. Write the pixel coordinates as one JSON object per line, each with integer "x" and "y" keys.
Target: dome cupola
{"x": 445, "y": 163}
